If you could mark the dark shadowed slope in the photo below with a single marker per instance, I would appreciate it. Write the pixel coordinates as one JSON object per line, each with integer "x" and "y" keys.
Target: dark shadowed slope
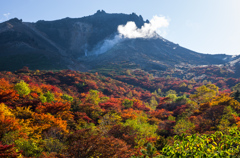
{"x": 158, "y": 54}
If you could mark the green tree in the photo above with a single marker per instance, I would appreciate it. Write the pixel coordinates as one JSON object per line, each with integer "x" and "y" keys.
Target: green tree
{"x": 93, "y": 97}
{"x": 226, "y": 119}
{"x": 171, "y": 92}
{"x": 108, "y": 120}
{"x": 153, "y": 103}
{"x": 47, "y": 97}
{"x": 127, "y": 103}
{"x": 213, "y": 145}
{"x": 30, "y": 147}
{"x": 236, "y": 93}
{"x": 143, "y": 128}
{"x": 236, "y": 87}
{"x": 150, "y": 150}
{"x": 183, "y": 126}
{"x": 204, "y": 93}
{"x": 128, "y": 72}
{"x": 67, "y": 97}
{"x": 22, "y": 88}
{"x": 130, "y": 95}
{"x": 53, "y": 145}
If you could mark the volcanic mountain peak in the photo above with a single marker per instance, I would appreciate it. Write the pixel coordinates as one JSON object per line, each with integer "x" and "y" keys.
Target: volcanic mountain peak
{"x": 91, "y": 42}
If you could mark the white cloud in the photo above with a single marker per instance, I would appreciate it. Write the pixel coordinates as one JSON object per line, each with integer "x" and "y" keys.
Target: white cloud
{"x": 6, "y": 15}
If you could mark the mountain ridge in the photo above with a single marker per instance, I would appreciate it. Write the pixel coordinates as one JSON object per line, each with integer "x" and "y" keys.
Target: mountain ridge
{"x": 64, "y": 43}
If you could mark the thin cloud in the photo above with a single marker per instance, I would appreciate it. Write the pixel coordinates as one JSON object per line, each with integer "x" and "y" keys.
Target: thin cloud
{"x": 6, "y": 15}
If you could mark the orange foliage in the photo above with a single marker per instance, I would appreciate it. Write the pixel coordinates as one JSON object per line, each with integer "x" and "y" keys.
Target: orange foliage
{"x": 137, "y": 104}
{"x": 4, "y": 85}
{"x": 58, "y": 109}
{"x": 161, "y": 113}
{"x": 7, "y": 93}
{"x": 91, "y": 84}
{"x": 35, "y": 88}
{"x": 43, "y": 122}
{"x": 58, "y": 97}
{"x": 45, "y": 87}
{"x": 28, "y": 115}
{"x": 237, "y": 119}
{"x": 8, "y": 123}
{"x": 129, "y": 114}
{"x": 34, "y": 95}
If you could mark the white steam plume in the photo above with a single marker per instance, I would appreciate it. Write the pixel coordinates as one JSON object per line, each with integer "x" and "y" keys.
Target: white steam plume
{"x": 130, "y": 30}
{"x": 108, "y": 44}
{"x": 148, "y": 30}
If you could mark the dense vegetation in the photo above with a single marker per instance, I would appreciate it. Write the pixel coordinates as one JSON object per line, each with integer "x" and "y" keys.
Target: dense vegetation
{"x": 128, "y": 113}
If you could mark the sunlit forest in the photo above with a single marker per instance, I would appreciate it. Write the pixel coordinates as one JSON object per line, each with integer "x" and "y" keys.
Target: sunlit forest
{"x": 127, "y": 113}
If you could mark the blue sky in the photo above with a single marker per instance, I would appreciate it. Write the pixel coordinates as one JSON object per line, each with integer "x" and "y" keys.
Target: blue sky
{"x": 205, "y": 26}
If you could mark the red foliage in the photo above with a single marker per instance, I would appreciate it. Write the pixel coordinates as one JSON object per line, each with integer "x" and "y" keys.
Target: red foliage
{"x": 112, "y": 105}
{"x": 138, "y": 105}
{"x": 7, "y": 93}
{"x": 161, "y": 114}
{"x": 126, "y": 134}
{"x": 179, "y": 110}
{"x": 82, "y": 115}
{"x": 165, "y": 128}
{"x": 85, "y": 144}
{"x": 8, "y": 151}
{"x": 53, "y": 108}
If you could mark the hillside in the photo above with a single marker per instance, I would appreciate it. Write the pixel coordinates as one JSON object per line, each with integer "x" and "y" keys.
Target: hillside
{"x": 64, "y": 113}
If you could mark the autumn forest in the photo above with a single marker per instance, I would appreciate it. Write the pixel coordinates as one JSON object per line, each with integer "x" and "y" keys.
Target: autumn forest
{"x": 127, "y": 113}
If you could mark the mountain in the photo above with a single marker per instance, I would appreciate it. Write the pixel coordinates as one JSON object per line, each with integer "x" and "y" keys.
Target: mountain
{"x": 70, "y": 43}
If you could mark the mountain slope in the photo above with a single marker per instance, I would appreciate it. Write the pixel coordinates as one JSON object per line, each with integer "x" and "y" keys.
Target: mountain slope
{"x": 62, "y": 44}
{"x": 22, "y": 46}
{"x": 158, "y": 54}
{"x": 55, "y": 44}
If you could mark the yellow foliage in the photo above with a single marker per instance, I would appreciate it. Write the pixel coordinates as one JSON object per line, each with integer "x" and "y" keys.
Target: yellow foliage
{"x": 42, "y": 122}
{"x": 6, "y": 111}
{"x": 23, "y": 112}
{"x": 27, "y": 127}
{"x": 204, "y": 93}
{"x": 35, "y": 88}
{"x": 4, "y": 85}
{"x": 225, "y": 99}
